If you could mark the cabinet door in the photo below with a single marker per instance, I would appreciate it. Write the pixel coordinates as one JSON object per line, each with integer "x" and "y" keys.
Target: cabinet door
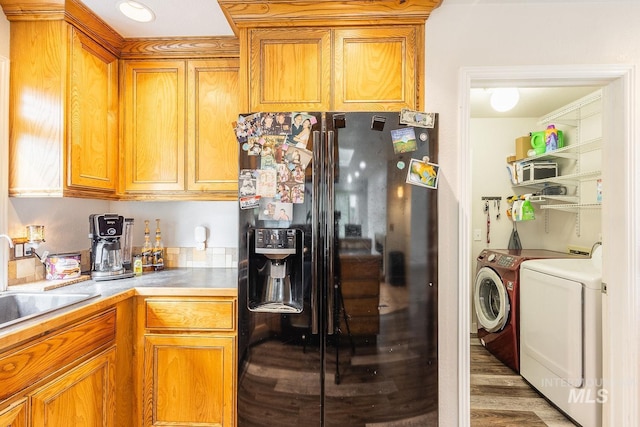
{"x": 154, "y": 126}
{"x": 289, "y": 69}
{"x": 92, "y": 115}
{"x": 15, "y": 415}
{"x": 37, "y": 90}
{"x": 83, "y": 396}
{"x": 375, "y": 69}
{"x": 213, "y": 104}
{"x": 188, "y": 380}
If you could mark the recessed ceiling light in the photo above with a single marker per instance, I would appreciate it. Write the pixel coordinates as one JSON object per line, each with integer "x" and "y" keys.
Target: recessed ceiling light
{"x": 504, "y": 99}
{"x": 136, "y": 11}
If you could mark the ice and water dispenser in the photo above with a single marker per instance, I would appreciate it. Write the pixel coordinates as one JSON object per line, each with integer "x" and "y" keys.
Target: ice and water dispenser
{"x": 275, "y": 276}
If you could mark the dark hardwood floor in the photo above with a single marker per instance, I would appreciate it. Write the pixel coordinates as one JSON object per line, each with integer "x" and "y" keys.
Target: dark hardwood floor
{"x": 500, "y": 397}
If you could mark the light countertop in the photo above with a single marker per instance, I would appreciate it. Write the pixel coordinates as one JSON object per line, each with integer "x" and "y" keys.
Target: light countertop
{"x": 169, "y": 282}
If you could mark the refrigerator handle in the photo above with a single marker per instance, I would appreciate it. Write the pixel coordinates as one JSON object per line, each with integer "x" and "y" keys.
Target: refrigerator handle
{"x": 331, "y": 237}
{"x": 315, "y": 229}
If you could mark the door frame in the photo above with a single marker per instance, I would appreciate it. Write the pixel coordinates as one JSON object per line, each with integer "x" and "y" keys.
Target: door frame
{"x": 620, "y": 169}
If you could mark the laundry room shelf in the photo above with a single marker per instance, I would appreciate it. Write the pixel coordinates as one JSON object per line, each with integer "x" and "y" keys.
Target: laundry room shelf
{"x": 573, "y": 200}
{"x": 572, "y": 207}
{"x": 573, "y": 151}
{"x": 576, "y": 163}
{"x": 575, "y": 112}
{"x": 570, "y": 179}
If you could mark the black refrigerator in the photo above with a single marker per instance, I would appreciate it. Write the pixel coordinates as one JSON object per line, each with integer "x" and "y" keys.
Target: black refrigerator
{"x": 337, "y": 272}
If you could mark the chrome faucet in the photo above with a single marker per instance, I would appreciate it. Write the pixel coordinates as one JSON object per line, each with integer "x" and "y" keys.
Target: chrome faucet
{"x": 8, "y": 239}
{"x": 3, "y": 282}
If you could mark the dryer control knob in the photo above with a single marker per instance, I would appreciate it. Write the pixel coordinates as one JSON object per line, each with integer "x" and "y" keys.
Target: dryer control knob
{"x": 491, "y": 257}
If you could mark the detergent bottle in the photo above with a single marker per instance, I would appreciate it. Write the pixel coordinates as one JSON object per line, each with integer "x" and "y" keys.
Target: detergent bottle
{"x": 551, "y": 138}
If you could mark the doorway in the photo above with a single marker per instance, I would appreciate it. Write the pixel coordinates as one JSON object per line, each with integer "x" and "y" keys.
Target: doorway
{"x": 619, "y": 166}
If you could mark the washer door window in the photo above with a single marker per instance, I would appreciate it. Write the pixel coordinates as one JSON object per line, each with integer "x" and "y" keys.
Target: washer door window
{"x": 491, "y": 300}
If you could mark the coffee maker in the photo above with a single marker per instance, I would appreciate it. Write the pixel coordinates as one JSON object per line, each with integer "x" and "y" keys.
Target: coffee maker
{"x": 106, "y": 232}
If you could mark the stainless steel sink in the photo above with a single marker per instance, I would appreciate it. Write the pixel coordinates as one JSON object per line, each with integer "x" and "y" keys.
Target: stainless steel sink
{"x": 19, "y": 306}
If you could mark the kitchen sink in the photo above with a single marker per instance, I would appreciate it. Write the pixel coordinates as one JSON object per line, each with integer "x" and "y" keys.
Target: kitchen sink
{"x": 19, "y": 306}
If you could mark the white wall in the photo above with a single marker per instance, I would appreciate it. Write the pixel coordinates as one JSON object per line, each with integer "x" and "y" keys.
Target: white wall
{"x": 492, "y": 140}
{"x": 179, "y": 219}
{"x": 66, "y": 221}
{"x": 463, "y": 33}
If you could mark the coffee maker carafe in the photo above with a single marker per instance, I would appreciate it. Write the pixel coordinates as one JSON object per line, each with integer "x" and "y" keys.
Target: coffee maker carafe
{"x": 106, "y": 234}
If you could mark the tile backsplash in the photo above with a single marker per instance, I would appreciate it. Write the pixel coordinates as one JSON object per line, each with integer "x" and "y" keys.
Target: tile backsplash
{"x": 28, "y": 270}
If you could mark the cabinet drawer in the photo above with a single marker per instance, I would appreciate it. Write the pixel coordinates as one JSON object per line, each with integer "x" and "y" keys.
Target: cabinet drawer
{"x": 185, "y": 314}
{"x": 35, "y": 361}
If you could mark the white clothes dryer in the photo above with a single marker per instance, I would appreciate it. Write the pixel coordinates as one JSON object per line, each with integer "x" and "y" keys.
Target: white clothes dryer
{"x": 561, "y": 334}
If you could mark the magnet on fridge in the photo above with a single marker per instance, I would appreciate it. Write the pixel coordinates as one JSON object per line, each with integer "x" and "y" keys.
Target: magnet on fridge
{"x": 423, "y": 136}
{"x": 339, "y": 121}
{"x": 377, "y": 123}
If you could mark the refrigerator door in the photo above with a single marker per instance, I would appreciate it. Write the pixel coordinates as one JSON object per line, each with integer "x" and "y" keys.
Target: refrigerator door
{"x": 381, "y": 360}
{"x": 280, "y": 360}
{"x": 362, "y": 351}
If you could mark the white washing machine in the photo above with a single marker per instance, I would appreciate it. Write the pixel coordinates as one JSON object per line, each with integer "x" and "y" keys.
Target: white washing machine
{"x": 561, "y": 334}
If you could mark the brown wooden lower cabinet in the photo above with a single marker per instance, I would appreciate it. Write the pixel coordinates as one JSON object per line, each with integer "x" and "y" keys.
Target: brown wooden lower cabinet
{"x": 188, "y": 381}
{"x": 64, "y": 378}
{"x": 84, "y": 396}
{"x": 189, "y": 367}
{"x": 15, "y": 415}
{"x": 148, "y": 361}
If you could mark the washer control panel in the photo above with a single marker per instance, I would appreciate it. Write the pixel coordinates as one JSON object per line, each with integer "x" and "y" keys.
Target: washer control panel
{"x": 500, "y": 260}
{"x": 505, "y": 261}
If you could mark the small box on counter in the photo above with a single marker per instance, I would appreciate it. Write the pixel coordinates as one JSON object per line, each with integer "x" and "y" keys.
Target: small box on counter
{"x": 539, "y": 170}
{"x": 62, "y": 266}
{"x": 523, "y": 145}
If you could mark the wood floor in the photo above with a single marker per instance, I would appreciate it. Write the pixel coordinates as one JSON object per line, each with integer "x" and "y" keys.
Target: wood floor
{"x": 500, "y": 397}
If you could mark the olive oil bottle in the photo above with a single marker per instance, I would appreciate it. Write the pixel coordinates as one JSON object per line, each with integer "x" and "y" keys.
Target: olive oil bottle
{"x": 158, "y": 249}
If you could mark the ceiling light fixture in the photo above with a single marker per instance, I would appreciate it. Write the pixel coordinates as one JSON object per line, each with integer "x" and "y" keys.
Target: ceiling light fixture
{"x": 504, "y": 99}
{"x": 136, "y": 11}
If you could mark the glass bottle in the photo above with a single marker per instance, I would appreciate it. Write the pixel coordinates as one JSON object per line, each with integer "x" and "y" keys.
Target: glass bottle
{"x": 158, "y": 249}
{"x": 147, "y": 249}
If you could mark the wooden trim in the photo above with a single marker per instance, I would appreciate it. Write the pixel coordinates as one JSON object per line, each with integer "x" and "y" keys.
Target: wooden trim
{"x": 71, "y": 11}
{"x": 84, "y": 19}
{"x": 181, "y": 47}
{"x": 244, "y": 13}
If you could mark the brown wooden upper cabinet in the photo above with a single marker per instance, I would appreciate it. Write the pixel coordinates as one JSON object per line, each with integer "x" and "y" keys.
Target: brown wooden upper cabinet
{"x": 350, "y": 69}
{"x": 178, "y": 141}
{"x": 63, "y": 112}
{"x": 358, "y": 55}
